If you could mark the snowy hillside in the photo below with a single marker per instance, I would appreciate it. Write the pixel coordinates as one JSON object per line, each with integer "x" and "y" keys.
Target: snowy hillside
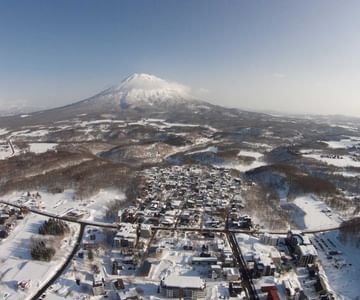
{"x": 143, "y": 90}
{"x": 147, "y": 89}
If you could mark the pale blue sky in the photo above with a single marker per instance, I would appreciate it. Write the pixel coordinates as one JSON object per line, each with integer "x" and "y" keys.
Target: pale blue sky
{"x": 291, "y": 56}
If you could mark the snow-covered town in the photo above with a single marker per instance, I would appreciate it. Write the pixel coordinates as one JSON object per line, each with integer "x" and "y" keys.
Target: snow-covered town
{"x": 186, "y": 235}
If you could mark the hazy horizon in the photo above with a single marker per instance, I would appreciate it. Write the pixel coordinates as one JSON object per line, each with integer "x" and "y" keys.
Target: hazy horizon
{"x": 290, "y": 57}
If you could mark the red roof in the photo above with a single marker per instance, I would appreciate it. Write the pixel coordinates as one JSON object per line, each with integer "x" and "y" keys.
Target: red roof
{"x": 272, "y": 292}
{"x": 273, "y": 295}
{"x": 268, "y": 288}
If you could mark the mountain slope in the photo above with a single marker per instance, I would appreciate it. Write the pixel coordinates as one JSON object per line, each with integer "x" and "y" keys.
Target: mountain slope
{"x": 142, "y": 96}
{"x": 135, "y": 96}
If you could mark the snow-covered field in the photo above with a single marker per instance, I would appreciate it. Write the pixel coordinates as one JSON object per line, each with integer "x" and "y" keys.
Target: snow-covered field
{"x": 342, "y": 271}
{"x": 94, "y": 208}
{"x": 5, "y": 151}
{"x": 242, "y": 167}
{"x": 41, "y": 147}
{"x": 15, "y": 260}
{"x": 16, "y": 263}
{"x": 3, "y": 131}
{"x": 312, "y": 213}
{"x": 253, "y": 154}
{"x": 9, "y": 149}
{"x": 348, "y": 174}
{"x": 344, "y": 143}
{"x": 30, "y": 133}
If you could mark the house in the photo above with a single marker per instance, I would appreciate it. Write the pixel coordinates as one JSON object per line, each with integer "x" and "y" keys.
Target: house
{"x": 126, "y": 236}
{"x": 98, "y": 286}
{"x": 4, "y": 217}
{"x": 198, "y": 260}
{"x": 269, "y": 239}
{"x": 177, "y": 286}
{"x": 276, "y": 256}
{"x": 235, "y": 288}
{"x": 307, "y": 254}
{"x": 117, "y": 266}
{"x": 292, "y": 287}
{"x": 301, "y": 246}
{"x": 91, "y": 244}
{"x": 145, "y": 230}
{"x": 176, "y": 204}
{"x": 265, "y": 266}
{"x": 294, "y": 238}
{"x": 215, "y": 271}
{"x": 131, "y": 294}
{"x": 251, "y": 268}
{"x": 185, "y": 217}
{"x": 228, "y": 259}
{"x": 231, "y": 274}
{"x": 119, "y": 284}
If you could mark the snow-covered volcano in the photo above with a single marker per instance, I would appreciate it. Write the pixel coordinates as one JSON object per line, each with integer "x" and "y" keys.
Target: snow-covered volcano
{"x": 138, "y": 95}
{"x": 140, "y": 90}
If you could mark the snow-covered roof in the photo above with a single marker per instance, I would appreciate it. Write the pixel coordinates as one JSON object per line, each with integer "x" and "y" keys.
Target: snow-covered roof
{"x": 231, "y": 271}
{"x": 126, "y": 230}
{"x": 306, "y": 250}
{"x": 128, "y": 294}
{"x": 190, "y": 282}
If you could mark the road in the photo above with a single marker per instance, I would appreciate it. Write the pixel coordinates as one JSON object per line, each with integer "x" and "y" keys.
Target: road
{"x": 64, "y": 265}
{"x": 115, "y": 226}
{"x": 247, "y": 282}
{"x": 11, "y": 147}
{"x": 64, "y": 218}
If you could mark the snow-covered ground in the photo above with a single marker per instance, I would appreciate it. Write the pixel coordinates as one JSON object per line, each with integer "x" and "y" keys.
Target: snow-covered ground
{"x": 97, "y": 122}
{"x": 344, "y": 143}
{"x": 242, "y": 167}
{"x": 253, "y": 154}
{"x": 16, "y": 263}
{"x": 264, "y": 146}
{"x": 9, "y": 149}
{"x": 94, "y": 208}
{"x": 212, "y": 149}
{"x": 350, "y": 127}
{"x": 30, "y": 133}
{"x": 311, "y": 213}
{"x": 41, "y": 147}
{"x": 342, "y": 270}
{"x": 342, "y": 161}
{"x": 348, "y": 174}
{"x": 3, "y": 131}
{"x": 253, "y": 246}
{"x": 15, "y": 260}
{"x": 5, "y": 151}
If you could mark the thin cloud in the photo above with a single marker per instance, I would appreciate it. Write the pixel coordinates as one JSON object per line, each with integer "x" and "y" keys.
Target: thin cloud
{"x": 203, "y": 91}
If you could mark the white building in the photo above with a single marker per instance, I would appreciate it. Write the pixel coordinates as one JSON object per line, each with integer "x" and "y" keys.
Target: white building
{"x": 177, "y": 286}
